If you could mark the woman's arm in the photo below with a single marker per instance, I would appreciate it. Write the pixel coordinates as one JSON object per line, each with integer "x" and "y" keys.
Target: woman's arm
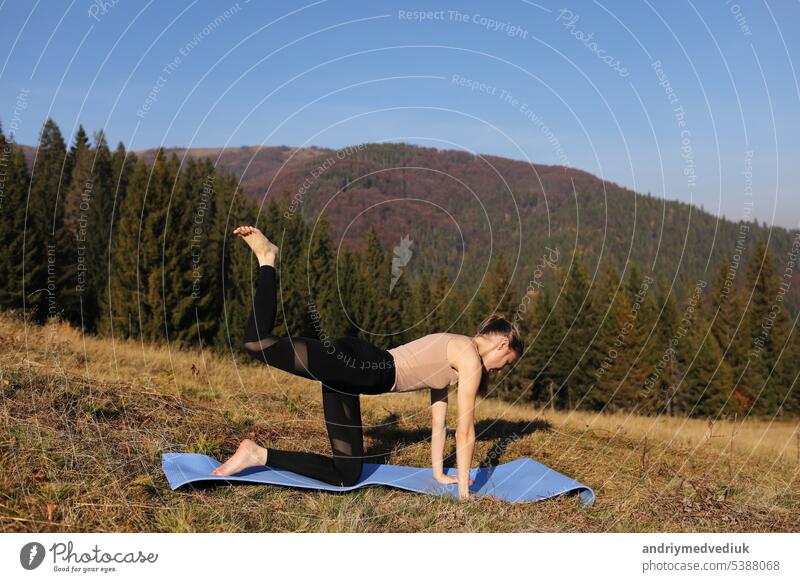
{"x": 438, "y": 432}
{"x": 470, "y": 371}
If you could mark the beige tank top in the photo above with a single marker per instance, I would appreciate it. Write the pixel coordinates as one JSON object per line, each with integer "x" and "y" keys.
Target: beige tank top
{"x": 422, "y": 363}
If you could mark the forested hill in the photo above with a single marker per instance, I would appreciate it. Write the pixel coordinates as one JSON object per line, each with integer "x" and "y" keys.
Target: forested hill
{"x": 458, "y": 209}
{"x": 626, "y": 302}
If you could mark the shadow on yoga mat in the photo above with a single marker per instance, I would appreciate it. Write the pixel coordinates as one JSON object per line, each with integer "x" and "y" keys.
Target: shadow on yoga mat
{"x": 517, "y": 481}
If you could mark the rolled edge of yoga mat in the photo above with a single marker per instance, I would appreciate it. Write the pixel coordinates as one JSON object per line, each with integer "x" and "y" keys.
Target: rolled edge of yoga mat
{"x": 518, "y": 481}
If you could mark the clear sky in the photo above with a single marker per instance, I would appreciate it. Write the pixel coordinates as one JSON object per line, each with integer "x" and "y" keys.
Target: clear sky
{"x": 697, "y": 101}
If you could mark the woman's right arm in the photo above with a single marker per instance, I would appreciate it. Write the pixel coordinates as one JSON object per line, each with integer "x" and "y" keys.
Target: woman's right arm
{"x": 470, "y": 372}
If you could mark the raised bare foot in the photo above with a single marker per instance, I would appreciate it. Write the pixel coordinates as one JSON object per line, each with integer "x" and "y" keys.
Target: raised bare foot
{"x": 265, "y": 250}
{"x": 249, "y": 454}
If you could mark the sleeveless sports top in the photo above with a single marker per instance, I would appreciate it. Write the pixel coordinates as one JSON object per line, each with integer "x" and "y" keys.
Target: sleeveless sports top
{"x": 422, "y": 363}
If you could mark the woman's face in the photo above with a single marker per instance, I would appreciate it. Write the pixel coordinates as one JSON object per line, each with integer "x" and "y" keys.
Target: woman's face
{"x": 500, "y": 355}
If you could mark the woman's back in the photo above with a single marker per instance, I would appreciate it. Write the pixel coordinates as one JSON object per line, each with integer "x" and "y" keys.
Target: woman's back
{"x": 423, "y": 363}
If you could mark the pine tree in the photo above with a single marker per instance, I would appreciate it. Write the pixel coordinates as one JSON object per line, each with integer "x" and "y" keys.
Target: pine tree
{"x": 209, "y": 195}
{"x": 376, "y": 276}
{"x": 120, "y": 307}
{"x": 783, "y": 382}
{"x": 479, "y": 307}
{"x": 185, "y": 244}
{"x": 660, "y": 383}
{"x": 423, "y": 306}
{"x": 328, "y": 320}
{"x": 758, "y": 291}
{"x": 80, "y": 142}
{"x": 455, "y": 305}
{"x": 45, "y": 235}
{"x": 601, "y": 355}
{"x": 215, "y": 206}
{"x": 619, "y": 360}
{"x": 14, "y": 184}
{"x": 577, "y": 310}
{"x": 727, "y": 313}
{"x": 78, "y": 199}
{"x": 642, "y": 337}
{"x": 768, "y": 328}
{"x": 686, "y": 347}
{"x": 441, "y": 317}
{"x": 98, "y": 233}
{"x": 708, "y": 380}
{"x": 122, "y": 163}
{"x": 399, "y": 302}
{"x": 351, "y": 291}
{"x": 401, "y": 298}
{"x": 630, "y": 349}
{"x": 500, "y": 293}
{"x": 780, "y": 366}
{"x": 293, "y": 291}
{"x": 790, "y": 399}
{"x": 545, "y": 376}
{"x": 152, "y": 304}
{"x": 6, "y": 217}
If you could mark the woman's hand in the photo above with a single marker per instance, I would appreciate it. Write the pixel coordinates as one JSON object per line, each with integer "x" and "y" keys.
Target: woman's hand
{"x": 447, "y": 479}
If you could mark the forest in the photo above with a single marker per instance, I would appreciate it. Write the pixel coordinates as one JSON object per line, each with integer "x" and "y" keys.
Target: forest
{"x": 125, "y": 247}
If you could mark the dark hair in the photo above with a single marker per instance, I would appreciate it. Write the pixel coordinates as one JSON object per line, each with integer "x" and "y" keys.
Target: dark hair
{"x": 496, "y": 324}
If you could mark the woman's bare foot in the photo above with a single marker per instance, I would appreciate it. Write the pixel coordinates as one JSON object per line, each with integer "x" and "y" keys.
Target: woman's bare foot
{"x": 265, "y": 250}
{"x": 249, "y": 454}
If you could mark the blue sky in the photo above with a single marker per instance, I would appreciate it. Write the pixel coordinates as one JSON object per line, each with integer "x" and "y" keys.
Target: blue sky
{"x": 691, "y": 101}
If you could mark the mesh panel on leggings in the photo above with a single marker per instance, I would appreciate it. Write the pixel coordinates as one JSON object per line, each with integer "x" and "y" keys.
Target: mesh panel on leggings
{"x": 288, "y": 354}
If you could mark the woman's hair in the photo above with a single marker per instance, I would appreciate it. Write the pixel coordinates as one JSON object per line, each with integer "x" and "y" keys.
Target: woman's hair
{"x": 496, "y": 324}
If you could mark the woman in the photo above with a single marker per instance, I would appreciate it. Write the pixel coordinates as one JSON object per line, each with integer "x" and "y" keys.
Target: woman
{"x": 350, "y": 366}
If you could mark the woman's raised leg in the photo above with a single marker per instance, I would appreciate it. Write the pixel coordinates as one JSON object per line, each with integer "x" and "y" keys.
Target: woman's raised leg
{"x": 345, "y": 361}
{"x": 288, "y": 354}
{"x": 301, "y": 356}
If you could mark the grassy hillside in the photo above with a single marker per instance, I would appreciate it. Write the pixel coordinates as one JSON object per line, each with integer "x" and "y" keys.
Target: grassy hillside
{"x": 84, "y": 422}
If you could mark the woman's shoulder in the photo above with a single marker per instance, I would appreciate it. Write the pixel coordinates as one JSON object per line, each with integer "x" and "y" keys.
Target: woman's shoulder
{"x": 456, "y": 336}
{"x": 458, "y": 345}
{"x": 427, "y": 341}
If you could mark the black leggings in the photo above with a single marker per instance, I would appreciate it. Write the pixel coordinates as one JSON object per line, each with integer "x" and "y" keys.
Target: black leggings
{"x": 347, "y": 366}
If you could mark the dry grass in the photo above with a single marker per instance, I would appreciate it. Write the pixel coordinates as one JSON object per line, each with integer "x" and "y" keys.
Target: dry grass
{"x": 84, "y": 422}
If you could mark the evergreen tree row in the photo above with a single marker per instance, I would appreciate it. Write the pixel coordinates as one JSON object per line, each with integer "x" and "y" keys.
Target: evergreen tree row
{"x": 626, "y": 344}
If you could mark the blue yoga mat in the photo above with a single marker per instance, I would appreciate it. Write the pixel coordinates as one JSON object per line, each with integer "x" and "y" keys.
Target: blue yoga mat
{"x": 516, "y": 481}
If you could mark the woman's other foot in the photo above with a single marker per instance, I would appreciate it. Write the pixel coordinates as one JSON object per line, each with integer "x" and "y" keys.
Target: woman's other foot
{"x": 265, "y": 250}
{"x": 249, "y": 454}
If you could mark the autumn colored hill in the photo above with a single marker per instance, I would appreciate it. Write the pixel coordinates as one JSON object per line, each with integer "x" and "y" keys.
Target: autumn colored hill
{"x": 461, "y": 209}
